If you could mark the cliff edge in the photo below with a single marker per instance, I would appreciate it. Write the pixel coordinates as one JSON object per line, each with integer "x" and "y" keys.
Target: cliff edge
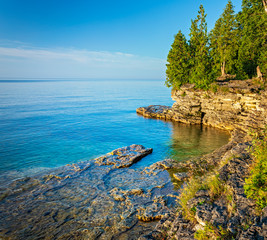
{"x": 213, "y": 203}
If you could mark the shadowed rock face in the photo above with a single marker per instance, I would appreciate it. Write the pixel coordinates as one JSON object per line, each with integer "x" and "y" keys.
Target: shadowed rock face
{"x": 88, "y": 200}
{"x": 236, "y": 104}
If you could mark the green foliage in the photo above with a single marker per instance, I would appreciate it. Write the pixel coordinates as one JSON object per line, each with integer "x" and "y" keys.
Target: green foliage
{"x": 183, "y": 94}
{"x": 256, "y": 183}
{"x": 211, "y": 183}
{"x": 178, "y": 62}
{"x": 214, "y": 88}
{"x": 253, "y": 39}
{"x": 215, "y": 186}
{"x": 190, "y": 62}
{"x": 223, "y": 39}
{"x": 211, "y": 232}
{"x": 200, "y": 72}
{"x": 236, "y": 45}
{"x": 188, "y": 193}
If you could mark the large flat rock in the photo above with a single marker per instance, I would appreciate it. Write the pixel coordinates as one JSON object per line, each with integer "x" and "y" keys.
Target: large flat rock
{"x": 88, "y": 200}
{"x": 124, "y": 157}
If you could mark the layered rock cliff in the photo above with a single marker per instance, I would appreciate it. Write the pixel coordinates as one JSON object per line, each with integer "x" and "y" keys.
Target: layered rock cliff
{"x": 229, "y": 105}
{"x": 236, "y": 106}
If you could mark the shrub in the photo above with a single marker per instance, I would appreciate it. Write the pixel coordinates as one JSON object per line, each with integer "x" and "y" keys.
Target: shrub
{"x": 211, "y": 232}
{"x": 188, "y": 192}
{"x": 210, "y": 182}
{"x": 256, "y": 185}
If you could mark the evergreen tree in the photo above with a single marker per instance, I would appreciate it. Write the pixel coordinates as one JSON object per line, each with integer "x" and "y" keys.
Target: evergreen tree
{"x": 253, "y": 44}
{"x": 223, "y": 39}
{"x": 200, "y": 72}
{"x": 178, "y": 62}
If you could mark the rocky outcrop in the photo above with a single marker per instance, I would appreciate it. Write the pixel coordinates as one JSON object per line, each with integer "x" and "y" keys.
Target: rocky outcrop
{"x": 229, "y": 105}
{"x": 236, "y": 106}
{"x": 230, "y": 214}
{"x": 124, "y": 157}
{"x": 98, "y": 199}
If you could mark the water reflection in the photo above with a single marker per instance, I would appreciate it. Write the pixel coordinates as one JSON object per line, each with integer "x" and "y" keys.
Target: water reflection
{"x": 189, "y": 141}
{"x": 193, "y": 141}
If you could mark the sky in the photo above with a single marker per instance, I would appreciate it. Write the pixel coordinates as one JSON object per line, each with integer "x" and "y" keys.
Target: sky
{"x": 97, "y": 39}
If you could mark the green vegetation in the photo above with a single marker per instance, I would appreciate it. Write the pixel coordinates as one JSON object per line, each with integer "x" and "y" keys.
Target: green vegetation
{"x": 178, "y": 58}
{"x": 200, "y": 60}
{"x": 210, "y": 182}
{"x": 188, "y": 193}
{"x": 211, "y": 232}
{"x": 256, "y": 183}
{"x": 224, "y": 42}
{"x": 253, "y": 38}
{"x": 236, "y": 45}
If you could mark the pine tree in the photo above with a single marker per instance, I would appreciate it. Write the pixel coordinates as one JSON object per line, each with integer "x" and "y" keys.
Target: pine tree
{"x": 253, "y": 44}
{"x": 223, "y": 40}
{"x": 178, "y": 62}
{"x": 200, "y": 72}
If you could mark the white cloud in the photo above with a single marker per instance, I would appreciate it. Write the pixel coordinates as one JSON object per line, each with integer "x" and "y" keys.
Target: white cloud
{"x": 23, "y": 62}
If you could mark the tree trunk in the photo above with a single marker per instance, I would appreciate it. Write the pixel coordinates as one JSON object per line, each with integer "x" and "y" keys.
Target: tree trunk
{"x": 259, "y": 74}
{"x": 223, "y": 68}
{"x": 265, "y": 5}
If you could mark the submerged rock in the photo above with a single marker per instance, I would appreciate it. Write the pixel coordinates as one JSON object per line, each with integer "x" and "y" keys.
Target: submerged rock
{"x": 180, "y": 176}
{"x": 229, "y": 211}
{"x": 88, "y": 200}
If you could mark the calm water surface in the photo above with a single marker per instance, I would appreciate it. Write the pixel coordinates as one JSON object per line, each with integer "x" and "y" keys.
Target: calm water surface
{"x": 46, "y": 124}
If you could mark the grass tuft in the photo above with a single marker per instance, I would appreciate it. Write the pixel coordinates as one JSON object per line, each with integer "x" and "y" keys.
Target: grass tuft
{"x": 256, "y": 184}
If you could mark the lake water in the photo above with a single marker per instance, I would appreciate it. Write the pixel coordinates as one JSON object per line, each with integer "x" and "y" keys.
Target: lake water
{"x": 47, "y": 124}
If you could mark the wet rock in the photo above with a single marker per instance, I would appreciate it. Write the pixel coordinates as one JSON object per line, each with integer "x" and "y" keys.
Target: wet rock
{"x": 155, "y": 111}
{"x": 121, "y": 195}
{"x": 167, "y": 163}
{"x": 124, "y": 157}
{"x": 86, "y": 201}
{"x": 155, "y": 211}
{"x": 180, "y": 176}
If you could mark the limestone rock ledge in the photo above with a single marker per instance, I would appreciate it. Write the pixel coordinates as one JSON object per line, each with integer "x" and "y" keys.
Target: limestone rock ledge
{"x": 230, "y": 105}
{"x": 238, "y": 216}
{"x": 236, "y": 106}
{"x": 124, "y": 157}
{"x": 101, "y": 198}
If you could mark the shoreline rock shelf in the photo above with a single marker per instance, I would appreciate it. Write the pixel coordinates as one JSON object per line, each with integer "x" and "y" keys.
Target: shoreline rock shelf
{"x": 106, "y": 199}
{"x": 124, "y": 157}
{"x": 236, "y": 106}
{"x": 98, "y": 199}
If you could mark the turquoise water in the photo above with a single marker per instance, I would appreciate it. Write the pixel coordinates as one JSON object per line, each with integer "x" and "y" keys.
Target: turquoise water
{"x": 46, "y": 124}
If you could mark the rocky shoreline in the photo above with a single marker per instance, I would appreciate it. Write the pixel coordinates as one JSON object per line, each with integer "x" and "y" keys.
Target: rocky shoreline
{"x": 230, "y": 105}
{"x": 105, "y": 198}
{"x": 101, "y": 198}
{"x": 239, "y": 107}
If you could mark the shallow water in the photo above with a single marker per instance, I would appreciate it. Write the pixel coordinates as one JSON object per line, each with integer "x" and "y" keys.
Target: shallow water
{"x": 47, "y": 124}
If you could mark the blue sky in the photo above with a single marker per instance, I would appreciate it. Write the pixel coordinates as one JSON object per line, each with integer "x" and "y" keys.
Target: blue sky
{"x": 94, "y": 39}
